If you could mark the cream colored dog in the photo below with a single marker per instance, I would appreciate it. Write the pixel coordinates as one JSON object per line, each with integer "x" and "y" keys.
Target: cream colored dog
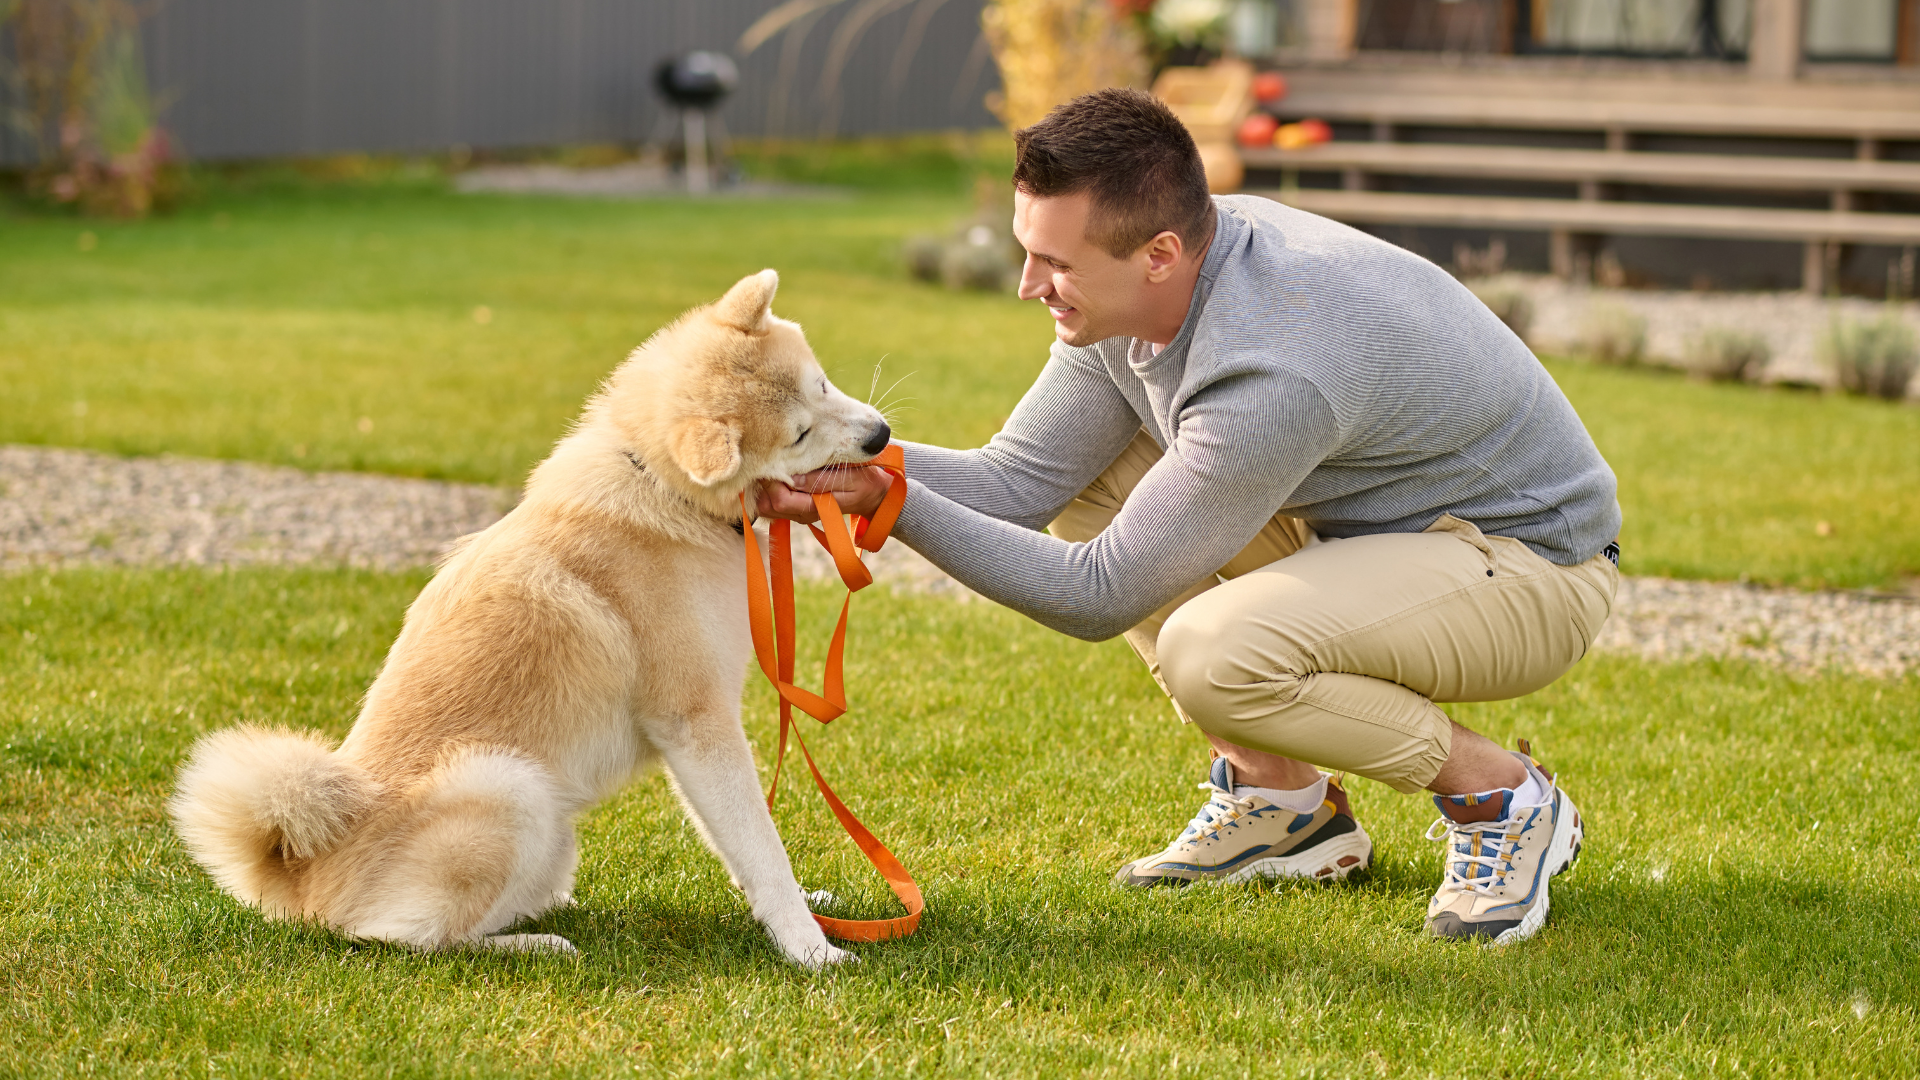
{"x": 596, "y": 629}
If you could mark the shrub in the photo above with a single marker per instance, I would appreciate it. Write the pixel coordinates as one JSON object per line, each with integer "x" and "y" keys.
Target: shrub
{"x": 977, "y": 257}
{"x": 922, "y": 254}
{"x": 1513, "y": 307}
{"x": 1050, "y": 51}
{"x": 1473, "y": 262}
{"x": 1723, "y": 352}
{"x": 1613, "y": 334}
{"x": 1875, "y": 357}
{"x": 82, "y": 85}
{"x": 981, "y": 258}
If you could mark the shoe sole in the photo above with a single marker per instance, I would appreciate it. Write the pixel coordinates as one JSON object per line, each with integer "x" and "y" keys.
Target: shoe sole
{"x": 1562, "y": 853}
{"x": 1324, "y": 862}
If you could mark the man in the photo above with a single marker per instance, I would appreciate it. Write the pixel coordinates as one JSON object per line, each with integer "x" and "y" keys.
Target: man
{"x": 1314, "y": 482}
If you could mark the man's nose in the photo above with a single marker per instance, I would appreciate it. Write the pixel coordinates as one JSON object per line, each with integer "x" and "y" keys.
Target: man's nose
{"x": 1034, "y": 282}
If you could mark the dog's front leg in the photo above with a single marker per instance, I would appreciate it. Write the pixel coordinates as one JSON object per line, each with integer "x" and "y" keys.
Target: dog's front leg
{"x": 712, "y": 768}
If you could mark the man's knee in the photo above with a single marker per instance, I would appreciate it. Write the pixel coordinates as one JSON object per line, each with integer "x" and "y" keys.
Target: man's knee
{"x": 1262, "y": 697}
{"x": 1205, "y": 664}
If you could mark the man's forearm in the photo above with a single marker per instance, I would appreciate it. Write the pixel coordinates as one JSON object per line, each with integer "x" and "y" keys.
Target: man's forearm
{"x": 1069, "y": 425}
{"x": 982, "y": 481}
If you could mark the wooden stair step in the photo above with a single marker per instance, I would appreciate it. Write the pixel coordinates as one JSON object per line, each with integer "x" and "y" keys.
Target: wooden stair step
{"x": 1527, "y": 163}
{"x": 1600, "y": 114}
{"x": 1581, "y": 215}
{"x": 1658, "y": 82}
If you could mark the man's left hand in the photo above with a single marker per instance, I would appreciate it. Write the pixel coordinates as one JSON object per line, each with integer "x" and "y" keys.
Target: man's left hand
{"x": 858, "y": 490}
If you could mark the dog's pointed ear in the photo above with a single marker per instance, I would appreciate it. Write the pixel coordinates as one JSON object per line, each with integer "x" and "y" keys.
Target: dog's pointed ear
{"x": 747, "y": 305}
{"x": 707, "y": 450}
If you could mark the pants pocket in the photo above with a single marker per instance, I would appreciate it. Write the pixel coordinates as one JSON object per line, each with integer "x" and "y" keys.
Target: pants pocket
{"x": 1465, "y": 530}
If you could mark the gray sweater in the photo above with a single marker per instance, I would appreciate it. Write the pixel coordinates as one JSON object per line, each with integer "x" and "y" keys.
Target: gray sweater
{"x": 1322, "y": 374}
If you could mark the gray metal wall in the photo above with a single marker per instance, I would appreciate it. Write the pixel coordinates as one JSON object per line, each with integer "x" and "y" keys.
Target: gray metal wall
{"x": 261, "y": 78}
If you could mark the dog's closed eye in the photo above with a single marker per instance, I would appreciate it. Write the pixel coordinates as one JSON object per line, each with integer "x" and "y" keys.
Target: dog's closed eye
{"x": 798, "y": 439}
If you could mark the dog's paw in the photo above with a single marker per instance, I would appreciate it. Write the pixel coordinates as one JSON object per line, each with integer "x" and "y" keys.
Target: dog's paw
{"x": 804, "y": 944}
{"x": 818, "y": 898}
{"x": 822, "y": 956}
{"x": 531, "y": 943}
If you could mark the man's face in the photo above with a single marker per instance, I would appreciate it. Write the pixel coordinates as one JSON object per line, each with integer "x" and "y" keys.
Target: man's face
{"x": 1090, "y": 293}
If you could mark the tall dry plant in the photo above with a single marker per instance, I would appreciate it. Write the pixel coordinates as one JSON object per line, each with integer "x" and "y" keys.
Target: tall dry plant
{"x": 1051, "y": 51}
{"x": 87, "y": 107}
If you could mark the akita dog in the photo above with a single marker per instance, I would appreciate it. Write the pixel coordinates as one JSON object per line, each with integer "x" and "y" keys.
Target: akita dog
{"x": 598, "y": 628}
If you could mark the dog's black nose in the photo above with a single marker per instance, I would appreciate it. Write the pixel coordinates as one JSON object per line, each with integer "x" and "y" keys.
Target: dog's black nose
{"x": 877, "y": 441}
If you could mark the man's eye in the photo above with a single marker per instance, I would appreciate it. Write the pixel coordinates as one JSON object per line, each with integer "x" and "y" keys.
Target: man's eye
{"x": 798, "y": 438}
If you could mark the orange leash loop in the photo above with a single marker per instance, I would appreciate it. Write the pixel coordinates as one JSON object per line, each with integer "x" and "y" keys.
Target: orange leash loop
{"x": 771, "y": 618}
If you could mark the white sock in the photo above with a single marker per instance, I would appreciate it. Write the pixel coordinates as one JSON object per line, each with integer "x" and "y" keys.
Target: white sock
{"x": 1531, "y": 793}
{"x": 1302, "y": 801}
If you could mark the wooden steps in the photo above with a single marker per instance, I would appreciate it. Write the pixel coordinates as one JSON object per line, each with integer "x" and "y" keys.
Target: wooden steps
{"x": 1621, "y": 111}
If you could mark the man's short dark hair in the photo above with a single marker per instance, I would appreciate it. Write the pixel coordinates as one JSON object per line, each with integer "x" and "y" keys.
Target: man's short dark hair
{"x": 1135, "y": 158}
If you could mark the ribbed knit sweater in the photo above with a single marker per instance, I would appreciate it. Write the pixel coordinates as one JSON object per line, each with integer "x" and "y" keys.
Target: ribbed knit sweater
{"x": 1322, "y": 374}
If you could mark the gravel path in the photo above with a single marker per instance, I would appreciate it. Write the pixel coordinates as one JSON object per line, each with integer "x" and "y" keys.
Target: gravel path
{"x": 628, "y": 180}
{"x": 68, "y": 508}
{"x": 75, "y": 508}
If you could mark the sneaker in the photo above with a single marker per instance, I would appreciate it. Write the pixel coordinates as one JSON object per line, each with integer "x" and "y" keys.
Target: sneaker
{"x": 1497, "y": 871}
{"x": 1238, "y": 838}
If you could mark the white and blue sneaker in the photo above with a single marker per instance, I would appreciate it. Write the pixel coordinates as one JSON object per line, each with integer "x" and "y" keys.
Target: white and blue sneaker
{"x": 1497, "y": 872}
{"x": 1238, "y": 836}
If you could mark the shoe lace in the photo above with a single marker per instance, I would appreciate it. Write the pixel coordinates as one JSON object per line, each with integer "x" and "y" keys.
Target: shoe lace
{"x": 1479, "y": 853}
{"x": 1218, "y": 812}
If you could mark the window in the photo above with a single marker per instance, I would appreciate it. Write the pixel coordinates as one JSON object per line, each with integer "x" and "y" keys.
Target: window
{"x": 1852, "y": 30}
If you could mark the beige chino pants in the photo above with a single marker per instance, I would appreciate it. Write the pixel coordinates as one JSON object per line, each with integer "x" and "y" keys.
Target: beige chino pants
{"x": 1334, "y": 652}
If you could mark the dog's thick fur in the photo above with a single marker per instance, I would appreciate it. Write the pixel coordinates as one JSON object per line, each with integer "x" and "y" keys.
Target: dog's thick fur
{"x": 596, "y": 629}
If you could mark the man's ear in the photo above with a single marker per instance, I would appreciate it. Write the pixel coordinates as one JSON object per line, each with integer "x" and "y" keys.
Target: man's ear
{"x": 747, "y": 305}
{"x": 1163, "y": 256}
{"x": 706, "y": 450}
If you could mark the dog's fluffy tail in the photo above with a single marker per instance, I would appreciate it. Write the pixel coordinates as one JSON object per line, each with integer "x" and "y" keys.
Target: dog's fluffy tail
{"x": 250, "y": 799}
{"x": 480, "y": 842}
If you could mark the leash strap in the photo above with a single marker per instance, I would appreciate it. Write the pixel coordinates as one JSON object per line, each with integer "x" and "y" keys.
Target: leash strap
{"x": 771, "y": 617}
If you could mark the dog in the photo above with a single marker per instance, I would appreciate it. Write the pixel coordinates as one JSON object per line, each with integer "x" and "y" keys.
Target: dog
{"x": 597, "y": 629}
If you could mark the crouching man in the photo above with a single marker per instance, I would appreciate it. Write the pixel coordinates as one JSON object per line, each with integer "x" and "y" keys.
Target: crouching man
{"x": 1315, "y": 484}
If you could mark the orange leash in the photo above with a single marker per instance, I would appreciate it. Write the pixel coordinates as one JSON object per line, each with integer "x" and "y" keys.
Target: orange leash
{"x": 770, "y": 613}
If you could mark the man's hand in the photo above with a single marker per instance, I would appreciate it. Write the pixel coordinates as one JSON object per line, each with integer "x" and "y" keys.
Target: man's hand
{"x": 858, "y": 490}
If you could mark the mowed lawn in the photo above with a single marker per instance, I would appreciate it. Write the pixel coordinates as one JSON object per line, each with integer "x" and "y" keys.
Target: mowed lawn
{"x": 398, "y": 328}
{"x": 1748, "y": 903}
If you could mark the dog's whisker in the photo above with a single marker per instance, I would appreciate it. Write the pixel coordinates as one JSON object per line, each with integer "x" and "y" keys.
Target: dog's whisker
{"x": 896, "y": 385}
{"x": 888, "y": 412}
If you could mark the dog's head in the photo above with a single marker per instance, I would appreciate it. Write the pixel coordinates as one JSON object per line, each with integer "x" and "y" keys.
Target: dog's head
{"x": 731, "y": 395}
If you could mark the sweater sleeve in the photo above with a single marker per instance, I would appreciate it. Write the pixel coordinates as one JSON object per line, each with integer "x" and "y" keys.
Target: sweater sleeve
{"x": 1070, "y": 425}
{"x": 1241, "y": 447}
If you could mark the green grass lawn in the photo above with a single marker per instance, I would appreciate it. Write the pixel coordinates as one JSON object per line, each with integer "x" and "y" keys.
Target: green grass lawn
{"x": 1746, "y": 905}
{"x": 268, "y": 322}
